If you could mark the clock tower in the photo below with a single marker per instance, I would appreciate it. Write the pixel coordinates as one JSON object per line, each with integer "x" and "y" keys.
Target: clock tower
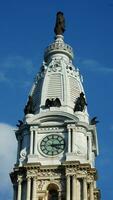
{"x": 57, "y": 142}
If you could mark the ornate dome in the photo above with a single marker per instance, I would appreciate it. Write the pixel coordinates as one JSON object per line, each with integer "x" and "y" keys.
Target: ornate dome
{"x": 58, "y": 84}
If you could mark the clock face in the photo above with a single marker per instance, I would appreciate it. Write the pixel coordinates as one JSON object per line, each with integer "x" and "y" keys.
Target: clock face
{"x": 52, "y": 145}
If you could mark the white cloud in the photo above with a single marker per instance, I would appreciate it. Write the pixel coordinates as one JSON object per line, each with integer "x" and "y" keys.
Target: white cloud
{"x": 16, "y": 71}
{"x": 8, "y": 147}
{"x": 96, "y": 66}
{"x": 17, "y": 62}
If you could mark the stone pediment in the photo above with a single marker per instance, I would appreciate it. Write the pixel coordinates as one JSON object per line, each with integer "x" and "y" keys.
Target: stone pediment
{"x": 51, "y": 118}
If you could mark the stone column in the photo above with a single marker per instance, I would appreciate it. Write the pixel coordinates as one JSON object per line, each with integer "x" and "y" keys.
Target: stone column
{"x": 59, "y": 195}
{"x": 46, "y": 197}
{"x": 68, "y": 187}
{"x": 74, "y": 189}
{"x": 69, "y": 140}
{"x": 34, "y": 189}
{"x": 84, "y": 188}
{"x": 35, "y": 142}
{"x": 91, "y": 191}
{"x": 28, "y": 187}
{"x": 78, "y": 190}
{"x": 74, "y": 138}
{"x": 31, "y": 142}
{"x": 19, "y": 188}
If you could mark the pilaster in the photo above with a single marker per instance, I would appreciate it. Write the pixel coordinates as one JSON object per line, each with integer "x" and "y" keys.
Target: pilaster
{"x": 85, "y": 188}
{"x": 69, "y": 140}
{"x": 19, "y": 188}
{"x": 92, "y": 191}
{"x": 34, "y": 189}
{"x": 35, "y": 142}
{"x": 31, "y": 142}
{"x": 28, "y": 187}
{"x": 68, "y": 187}
{"x": 74, "y": 187}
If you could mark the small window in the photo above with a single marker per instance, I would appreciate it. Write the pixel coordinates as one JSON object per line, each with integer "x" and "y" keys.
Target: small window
{"x": 40, "y": 198}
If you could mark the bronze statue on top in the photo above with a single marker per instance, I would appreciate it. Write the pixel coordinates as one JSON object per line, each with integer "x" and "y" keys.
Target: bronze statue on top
{"x": 60, "y": 24}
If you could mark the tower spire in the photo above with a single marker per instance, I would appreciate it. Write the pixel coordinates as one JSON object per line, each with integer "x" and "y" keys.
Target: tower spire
{"x": 57, "y": 143}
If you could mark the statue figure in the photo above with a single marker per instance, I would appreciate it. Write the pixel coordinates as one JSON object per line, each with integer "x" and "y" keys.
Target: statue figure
{"x": 29, "y": 107}
{"x": 48, "y": 103}
{"x": 20, "y": 123}
{"x": 43, "y": 67}
{"x": 94, "y": 121}
{"x": 80, "y": 103}
{"x": 60, "y": 24}
{"x": 57, "y": 102}
{"x": 52, "y": 103}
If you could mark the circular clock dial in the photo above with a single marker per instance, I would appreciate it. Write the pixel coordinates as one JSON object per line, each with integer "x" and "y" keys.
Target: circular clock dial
{"x": 52, "y": 145}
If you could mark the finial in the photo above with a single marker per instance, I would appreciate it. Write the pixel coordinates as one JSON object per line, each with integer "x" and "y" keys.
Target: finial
{"x": 60, "y": 23}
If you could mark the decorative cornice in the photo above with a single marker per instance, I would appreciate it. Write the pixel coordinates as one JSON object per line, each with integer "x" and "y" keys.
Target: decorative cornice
{"x": 67, "y": 168}
{"x": 58, "y": 47}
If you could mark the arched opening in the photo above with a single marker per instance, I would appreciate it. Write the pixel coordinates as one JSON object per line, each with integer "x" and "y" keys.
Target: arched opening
{"x": 52, "y": 192}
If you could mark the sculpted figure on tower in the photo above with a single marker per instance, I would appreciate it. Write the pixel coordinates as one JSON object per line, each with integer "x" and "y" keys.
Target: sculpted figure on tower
{"x": 60, "y": 24}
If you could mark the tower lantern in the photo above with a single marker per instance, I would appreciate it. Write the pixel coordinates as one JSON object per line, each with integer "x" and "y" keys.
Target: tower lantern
{"x": 57, "y": 142}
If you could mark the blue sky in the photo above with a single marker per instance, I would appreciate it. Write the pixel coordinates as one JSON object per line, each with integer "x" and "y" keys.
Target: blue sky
{"x": 26, "y": 28}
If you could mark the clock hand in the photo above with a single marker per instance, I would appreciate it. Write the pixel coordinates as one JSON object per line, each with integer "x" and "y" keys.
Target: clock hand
{"x": 53, "y": 145}
{"x": 49, "y": 144}
{"x": 57, "y": 146}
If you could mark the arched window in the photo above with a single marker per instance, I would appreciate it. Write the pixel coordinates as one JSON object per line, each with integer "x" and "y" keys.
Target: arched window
{"x": 52, "y": 192}
{"x": 53, "y": 195}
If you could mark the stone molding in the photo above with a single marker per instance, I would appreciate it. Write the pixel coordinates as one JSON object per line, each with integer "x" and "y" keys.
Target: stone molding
{"x": 67, "y": 168}
{"x": 58, "y": 47}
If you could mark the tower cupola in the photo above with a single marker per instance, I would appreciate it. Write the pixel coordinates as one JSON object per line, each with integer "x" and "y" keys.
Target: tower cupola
{"x": 58, "y": 47}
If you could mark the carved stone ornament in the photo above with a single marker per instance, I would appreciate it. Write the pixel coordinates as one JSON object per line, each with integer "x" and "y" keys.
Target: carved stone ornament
{"x": 32, "y": 173}
{"x": 23, "y": 154}
{"x": 55, "y": 66}
{"x": 47, "y": 174}
{"x": 90, "y": 178}
{"x": 71, "y": 170}
{"x": 82, "y": 173}
{"x": 40, "y": 184}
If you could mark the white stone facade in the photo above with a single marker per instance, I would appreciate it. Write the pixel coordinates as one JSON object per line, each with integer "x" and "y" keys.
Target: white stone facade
{"x": 57, "y": 146}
